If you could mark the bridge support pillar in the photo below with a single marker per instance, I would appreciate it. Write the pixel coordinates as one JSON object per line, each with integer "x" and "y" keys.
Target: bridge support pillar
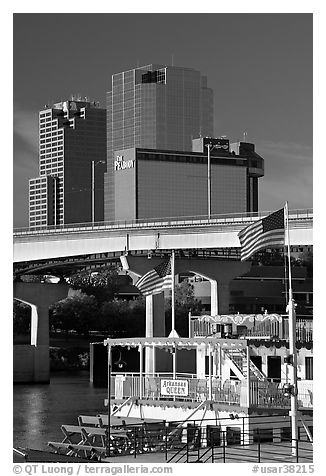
{"x": 223, "y": 297}
{"x": 214, "y": 297}
{"x": 155, "y": 327}
{"x": 31, "y": 362}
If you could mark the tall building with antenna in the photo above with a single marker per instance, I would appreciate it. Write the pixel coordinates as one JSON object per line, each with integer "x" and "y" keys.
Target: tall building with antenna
{"x": 69, "y": 188}
{"x": 156, "y": 107}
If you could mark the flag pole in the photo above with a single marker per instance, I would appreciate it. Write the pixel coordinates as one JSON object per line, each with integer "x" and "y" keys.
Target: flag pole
{"x": 173, "y": 293}
{"x": 173, "y": 332}
{"x": 292, "y": 346}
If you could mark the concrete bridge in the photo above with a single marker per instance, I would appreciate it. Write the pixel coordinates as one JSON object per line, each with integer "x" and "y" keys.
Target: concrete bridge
{"x": 130, "y": 240}
{"x": 189, "y": 233}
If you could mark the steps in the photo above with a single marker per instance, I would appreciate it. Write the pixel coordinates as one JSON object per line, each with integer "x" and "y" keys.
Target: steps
{"x": 239, "y": 365}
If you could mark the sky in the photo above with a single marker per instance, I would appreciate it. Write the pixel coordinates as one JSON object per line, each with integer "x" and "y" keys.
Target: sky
{"x": 259, "y": 65}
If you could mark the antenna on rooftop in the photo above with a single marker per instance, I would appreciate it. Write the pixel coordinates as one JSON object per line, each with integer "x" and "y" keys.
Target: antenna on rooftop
{"x": 245, "y": 137}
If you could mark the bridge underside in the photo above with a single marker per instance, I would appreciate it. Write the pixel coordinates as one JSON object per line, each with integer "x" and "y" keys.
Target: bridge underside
{"x": 65, "y": 266}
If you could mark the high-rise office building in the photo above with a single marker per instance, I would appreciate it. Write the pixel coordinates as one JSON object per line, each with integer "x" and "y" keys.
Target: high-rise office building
{"x": 156, "y": 107}
{"x": 72, "y": 161}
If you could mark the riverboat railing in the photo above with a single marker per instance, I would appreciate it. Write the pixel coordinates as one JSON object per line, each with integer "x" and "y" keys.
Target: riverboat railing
{"x": 267, "y": 329}
{"x": 263, "y": 394}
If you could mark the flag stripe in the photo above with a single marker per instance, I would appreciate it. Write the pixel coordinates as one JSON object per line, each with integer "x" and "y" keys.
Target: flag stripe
{"x": 156, "y": 280}
{"x": 265, "y": 233}
{"x": 268, "y": 238}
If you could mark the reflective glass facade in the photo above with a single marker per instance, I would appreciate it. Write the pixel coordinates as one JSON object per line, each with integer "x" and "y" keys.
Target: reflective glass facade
{"x": 158, "y": 107}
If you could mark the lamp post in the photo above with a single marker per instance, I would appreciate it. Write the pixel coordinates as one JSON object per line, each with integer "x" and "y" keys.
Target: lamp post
{"x": 109, "y": 399}
{"x": 94, "y": 164}
{"x": 209, "y": 148}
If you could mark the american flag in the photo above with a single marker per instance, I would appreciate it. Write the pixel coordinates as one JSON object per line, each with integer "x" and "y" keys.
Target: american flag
{"x": 156, "y": 280}
{"x": 265, "y": 233}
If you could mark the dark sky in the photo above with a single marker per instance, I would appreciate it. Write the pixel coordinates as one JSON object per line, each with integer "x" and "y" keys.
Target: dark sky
{"x": 259, "y": 66}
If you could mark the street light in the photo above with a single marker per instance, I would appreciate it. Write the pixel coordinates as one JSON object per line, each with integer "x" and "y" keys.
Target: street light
{"x": 94, "y": 164}
{"x": 210, "y": 147}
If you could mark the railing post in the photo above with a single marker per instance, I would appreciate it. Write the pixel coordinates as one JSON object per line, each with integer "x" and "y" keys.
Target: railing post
{"x": 166, "y": 442}
{"x": 224, "y": 438}
{"x": 142, "y": 439}
{"x": 258, "y": 447}
{"x": 187, "y": 446}
{"x": 135, "y": 442}
{"x": 198, "y": 440}
{"x": 140, "y": 372}
{"x": 212, "y": 447}
{"x": 297, "y": 450}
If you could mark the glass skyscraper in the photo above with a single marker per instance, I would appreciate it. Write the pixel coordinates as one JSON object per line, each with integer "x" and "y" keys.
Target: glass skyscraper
{"x": 156, "y": 107}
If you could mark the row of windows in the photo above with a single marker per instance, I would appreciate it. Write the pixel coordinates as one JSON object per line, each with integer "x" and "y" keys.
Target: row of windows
{"x": 34, "y": 214}
{"x": 39, "y": 195}
{"x": 55, "y": 132}
{"x": 37, "y": 200}
{"x": 51, "y": 166}
{"x": 35, "y": 224}
{"x": 40, "y": 198}
{"x": 48, "y": 121}
{"x": 47, "y": 128}
{"x": 37, "y": 186}
{"x": 44, "y": 155}
{"x": 54, "y": 135}
{"x": 36, "y": 210}
{"x": 51, "y": 153}
{"x": 53, "y": 140}
{"x": 49, "y": 144}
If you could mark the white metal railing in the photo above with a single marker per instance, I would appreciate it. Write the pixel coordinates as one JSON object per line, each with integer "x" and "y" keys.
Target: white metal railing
{"x": 267, "y": 329}
{"x": 222, "y": 219}
{"x": 271, "y": 394}
{"x": 263, "y": 394}
{"x": 199, "y": 389}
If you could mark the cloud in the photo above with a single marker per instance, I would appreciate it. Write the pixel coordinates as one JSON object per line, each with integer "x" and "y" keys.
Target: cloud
{"x": 288, "y": 175}
{"x": 25, "y": 136}
{"x": 25, "y": 160}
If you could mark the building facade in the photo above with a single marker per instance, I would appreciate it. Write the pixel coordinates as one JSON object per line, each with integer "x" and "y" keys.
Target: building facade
{"x": 155, "y": 107}
{"x": 72, "y": 135}
{"x": 152, "y": 183}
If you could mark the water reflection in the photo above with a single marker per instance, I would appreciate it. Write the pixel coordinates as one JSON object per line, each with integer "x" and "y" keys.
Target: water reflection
{"x": 40, "y": 410}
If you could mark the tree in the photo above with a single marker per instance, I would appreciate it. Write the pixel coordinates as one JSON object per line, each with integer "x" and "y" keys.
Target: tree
{"x": 103, "y": 284}
{"x": 306, "y": 259}
{"x": 78, "y": 313}
{"x": 22, "y": 318}
{"x": 124, "y": 318}
{"x": 185, "y": 302}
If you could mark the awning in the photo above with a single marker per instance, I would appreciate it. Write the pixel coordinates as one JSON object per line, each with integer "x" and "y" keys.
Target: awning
{"x": 177, "y": 343}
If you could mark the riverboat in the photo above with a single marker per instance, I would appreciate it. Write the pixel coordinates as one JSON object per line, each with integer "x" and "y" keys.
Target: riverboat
{"x": 218, "y": 389}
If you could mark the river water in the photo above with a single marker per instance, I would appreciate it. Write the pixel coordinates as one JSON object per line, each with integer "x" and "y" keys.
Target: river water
{"x": 40, "y": 409}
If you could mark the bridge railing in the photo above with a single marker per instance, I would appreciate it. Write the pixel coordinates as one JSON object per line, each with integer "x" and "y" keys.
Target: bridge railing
{"x": 230, "y": 218}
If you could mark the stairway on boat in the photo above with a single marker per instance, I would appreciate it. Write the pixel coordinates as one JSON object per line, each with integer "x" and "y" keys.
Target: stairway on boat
{"x": 239, "y": 365}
